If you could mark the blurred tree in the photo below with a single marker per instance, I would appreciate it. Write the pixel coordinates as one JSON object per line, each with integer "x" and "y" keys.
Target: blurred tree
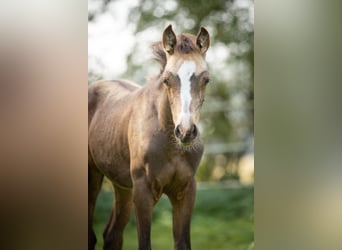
{"x": 227, "y": 117}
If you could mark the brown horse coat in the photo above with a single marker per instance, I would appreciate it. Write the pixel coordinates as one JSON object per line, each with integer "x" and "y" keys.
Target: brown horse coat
{"x": 131, "y": 140}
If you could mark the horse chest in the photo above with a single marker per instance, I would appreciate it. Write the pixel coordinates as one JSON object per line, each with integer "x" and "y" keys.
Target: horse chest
{"x": 170, "y": 174}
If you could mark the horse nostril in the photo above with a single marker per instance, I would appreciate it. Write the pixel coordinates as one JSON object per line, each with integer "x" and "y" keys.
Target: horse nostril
{"x": 178, "y": 131}
{"x": 194, "y": 130}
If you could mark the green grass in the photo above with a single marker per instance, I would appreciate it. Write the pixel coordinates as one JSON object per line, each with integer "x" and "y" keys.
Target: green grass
{"x": 222, "y": 220}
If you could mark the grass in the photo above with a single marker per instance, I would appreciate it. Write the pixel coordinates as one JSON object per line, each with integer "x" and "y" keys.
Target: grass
{"x": 222, "y": 220}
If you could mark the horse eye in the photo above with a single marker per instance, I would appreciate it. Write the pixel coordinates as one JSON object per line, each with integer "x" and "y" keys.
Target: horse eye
{"x": 206, "y": 81}
{"x": 166, "y": 81}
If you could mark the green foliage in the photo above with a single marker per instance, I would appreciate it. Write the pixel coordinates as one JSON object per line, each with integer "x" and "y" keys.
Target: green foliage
{"x": 222, "y": 219}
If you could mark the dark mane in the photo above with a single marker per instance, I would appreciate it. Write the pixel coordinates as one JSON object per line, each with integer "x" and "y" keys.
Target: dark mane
{"x": 185, "y": 45}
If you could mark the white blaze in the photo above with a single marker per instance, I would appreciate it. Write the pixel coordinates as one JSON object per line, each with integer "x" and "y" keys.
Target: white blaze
{"x": 185, "y": 71}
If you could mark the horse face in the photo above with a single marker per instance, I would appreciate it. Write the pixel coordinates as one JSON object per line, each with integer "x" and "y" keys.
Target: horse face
{"x": 185, "y": 77}
{"x": 186, "y": 81}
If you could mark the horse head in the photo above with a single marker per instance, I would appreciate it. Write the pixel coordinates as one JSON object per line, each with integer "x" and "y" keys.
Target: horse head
{"x": 185, "y": 77}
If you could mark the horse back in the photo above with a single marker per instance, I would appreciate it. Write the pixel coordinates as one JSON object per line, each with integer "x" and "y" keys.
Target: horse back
{"x": 102, "y": 91}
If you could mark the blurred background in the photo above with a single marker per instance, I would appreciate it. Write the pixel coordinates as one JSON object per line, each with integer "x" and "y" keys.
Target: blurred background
{"x": 298, "y": 139}
{"x": 119, "y": 35}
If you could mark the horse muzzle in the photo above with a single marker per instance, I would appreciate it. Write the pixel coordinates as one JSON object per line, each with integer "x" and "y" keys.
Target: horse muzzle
{"x": 186, "y": 135}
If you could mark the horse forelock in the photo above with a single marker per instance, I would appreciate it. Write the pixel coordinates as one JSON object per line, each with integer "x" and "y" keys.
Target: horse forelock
{"x": 185, "y": 44}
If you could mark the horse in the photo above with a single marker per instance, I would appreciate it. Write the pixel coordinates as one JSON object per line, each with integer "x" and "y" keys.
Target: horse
{"x": 146, "y": 140}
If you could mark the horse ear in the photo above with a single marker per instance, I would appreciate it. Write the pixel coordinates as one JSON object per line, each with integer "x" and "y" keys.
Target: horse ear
{"x": 203, "y": 40}
{"x": 169, "y": 40}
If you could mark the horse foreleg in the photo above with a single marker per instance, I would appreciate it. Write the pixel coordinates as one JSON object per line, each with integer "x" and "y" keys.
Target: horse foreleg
{"x": 94, "y": 186}
{"x": 182, "y": 205}
{"x": 113, "y": 234}
{"x": 143, "y": 201}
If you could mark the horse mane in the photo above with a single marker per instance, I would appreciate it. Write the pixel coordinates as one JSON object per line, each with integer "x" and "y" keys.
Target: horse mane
{"x": 185, "y": 45}
{"x": 159, "y": 55}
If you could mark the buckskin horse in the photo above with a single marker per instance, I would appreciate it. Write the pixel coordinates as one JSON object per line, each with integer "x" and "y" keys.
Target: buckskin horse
{"x": 145, "y": 140}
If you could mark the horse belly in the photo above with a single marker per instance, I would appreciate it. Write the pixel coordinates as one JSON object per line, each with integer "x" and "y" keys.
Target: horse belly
{"x": 110, "y": 154}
